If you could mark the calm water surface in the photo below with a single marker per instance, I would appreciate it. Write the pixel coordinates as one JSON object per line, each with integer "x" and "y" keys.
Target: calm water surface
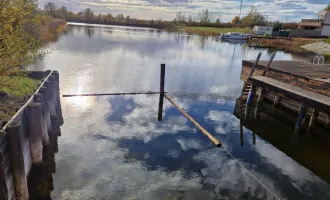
{"x": 115, "y": 148}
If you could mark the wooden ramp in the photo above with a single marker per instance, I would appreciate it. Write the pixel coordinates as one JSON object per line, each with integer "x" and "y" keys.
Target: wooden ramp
{"x": 312, "y": 99}
{"x": 297, "y": 68}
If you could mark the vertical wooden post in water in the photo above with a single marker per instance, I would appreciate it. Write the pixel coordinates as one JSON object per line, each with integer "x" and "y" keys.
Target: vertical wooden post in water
{"x": 15, "y": 137}
{"x": 301, "y": 116}
{"x": 3, "y": 185}
{"x": 162, "y": 78}
{"x": 313, "y": 119}
{"x": 162, "y": 91}
{"x": 277, "y": 100}
{"x": 44, "y": 134}
{"x": 35, "y": 131}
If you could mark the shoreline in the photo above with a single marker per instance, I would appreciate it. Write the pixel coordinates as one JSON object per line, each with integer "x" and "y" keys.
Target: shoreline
{"x": 155, "y": 26}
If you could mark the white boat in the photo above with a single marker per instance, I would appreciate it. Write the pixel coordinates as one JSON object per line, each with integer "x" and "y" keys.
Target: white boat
{"x": 234, "y": 36}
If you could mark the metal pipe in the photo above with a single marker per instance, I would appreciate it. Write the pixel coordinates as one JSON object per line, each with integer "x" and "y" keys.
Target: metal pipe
{"x": 108, "y": 94}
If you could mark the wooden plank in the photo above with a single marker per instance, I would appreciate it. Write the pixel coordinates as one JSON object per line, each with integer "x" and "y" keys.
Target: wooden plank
{"x": 298, "y": 68}
{"x": 301, "y": 95}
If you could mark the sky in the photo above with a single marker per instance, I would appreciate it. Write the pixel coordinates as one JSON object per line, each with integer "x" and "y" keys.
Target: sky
{"x": 226, "y": 10}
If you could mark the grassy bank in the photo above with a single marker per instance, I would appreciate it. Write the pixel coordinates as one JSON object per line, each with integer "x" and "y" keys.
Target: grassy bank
{"x": 292, "y": 45}
{"x": 200, "y": 30}
{"x": 14, "y": 91}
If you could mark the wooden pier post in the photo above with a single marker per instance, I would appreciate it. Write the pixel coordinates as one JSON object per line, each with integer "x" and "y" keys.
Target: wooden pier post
{"x": 162, "y": 78}
{"x": 301, "y": 116}
{"x": 51, "y": 104}
{"x": 44, "y": 134}
{"x": 162, "y": 91}
{"x": 15, "y": 137}
{"x": 313, "y": 119}
{"x": 327, "y": 123}
{"x": 277, "y": 100}
{"x": 3, "y": 184}
{"x": 58, "y": 107}
{"x": 35, "y": 131}
{"x": 44, "y": 92}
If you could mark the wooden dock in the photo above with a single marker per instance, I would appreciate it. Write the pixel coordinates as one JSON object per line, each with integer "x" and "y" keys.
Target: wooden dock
{"x": 296, "y": 68}
{"x": 312, "y": 99}
{"x": 297, "y": 86}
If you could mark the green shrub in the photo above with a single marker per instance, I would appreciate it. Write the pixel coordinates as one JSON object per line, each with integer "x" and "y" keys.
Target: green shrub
{"x": 327, "y": 57}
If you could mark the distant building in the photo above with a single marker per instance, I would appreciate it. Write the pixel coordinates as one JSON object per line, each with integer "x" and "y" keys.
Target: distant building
{"x": 321, "y": 24}
{"x": 262, "y": 30}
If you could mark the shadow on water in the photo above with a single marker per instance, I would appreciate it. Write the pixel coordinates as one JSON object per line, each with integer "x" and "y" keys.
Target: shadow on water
{"x": 309, "y": 148}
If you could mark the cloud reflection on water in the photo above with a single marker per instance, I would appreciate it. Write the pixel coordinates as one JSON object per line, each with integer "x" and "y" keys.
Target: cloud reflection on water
{"x": 141, "y": 158}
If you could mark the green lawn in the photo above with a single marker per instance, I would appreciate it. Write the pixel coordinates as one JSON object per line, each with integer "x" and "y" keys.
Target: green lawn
{"x": 211, "y": 30}
{"x": 18, "y": 86}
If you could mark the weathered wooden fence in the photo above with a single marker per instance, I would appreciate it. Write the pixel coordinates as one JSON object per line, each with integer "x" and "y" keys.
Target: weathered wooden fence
{"x": 26, "y": 134}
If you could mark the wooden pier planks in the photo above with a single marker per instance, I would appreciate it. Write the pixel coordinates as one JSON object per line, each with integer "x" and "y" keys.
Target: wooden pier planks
{"x": 298, "y": 68}
{"x": 312, "y": 99}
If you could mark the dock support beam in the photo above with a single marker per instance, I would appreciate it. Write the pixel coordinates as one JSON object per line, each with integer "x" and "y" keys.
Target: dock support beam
{"x": 3, "y": 185}
{"x": 46, "y": 105}
{"x": 301, "y": 116}
{"x": 313, "y": 119}
{"x": 35, "y": 132}
{"x": 15, "y": 137}
{"x": 44, "y": 132}
{"x": 327, "y": 123}
{"x": 277, "y": 100}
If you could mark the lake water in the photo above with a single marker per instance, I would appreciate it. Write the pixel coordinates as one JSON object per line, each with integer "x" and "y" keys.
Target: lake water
{"x": 113, "y": 147}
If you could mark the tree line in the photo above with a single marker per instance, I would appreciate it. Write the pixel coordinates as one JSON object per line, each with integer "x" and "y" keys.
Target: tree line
{"x": 87, "y": 15}
{"x": 202, "y": 18}
{"x": 23, "y": 29}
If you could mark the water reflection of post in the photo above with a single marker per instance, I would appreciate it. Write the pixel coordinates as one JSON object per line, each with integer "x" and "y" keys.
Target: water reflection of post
{"x": 162, "y": 91}
{"x": 241, "y": 131}
{"x": 160, "y": 108}
{"x": 40, "y": 181}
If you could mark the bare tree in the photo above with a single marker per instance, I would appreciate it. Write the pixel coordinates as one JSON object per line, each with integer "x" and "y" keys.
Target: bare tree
{"x": 88, "y": 14}
{"x": 204, "y": 17}
{"x": 180, "y": 17}
{"x": 50, "y": 8}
